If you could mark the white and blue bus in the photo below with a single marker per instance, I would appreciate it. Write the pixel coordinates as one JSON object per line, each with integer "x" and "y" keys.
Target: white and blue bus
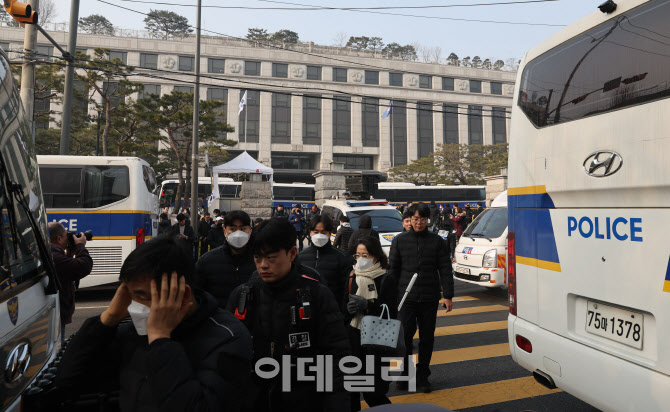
{"x": 588, "y": 200}
{"x": 114, "y": 197}
{"x": 399, "y": 193}
{"x": 287, "y": 194}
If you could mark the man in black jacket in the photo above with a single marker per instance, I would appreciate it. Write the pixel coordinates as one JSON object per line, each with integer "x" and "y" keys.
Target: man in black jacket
{"x": 289, "y": 313}
{"x": 280, "y": 212}
{"x": 223, "y": 269}
{"x": 184, "y": 233}
{"x": 331, "y": 263}
{"x": 216, "y": 237}
{"x": 71, "y": 267}
{"x": 181, "y": 352}
{"x": 344, "y": 233}
{"x": 424, "y": 252}
{"x": 164, "y": 226}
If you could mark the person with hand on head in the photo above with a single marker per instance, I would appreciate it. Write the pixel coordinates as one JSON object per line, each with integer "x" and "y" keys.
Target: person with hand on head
{"x": 332, "y": 264}
{"x": 425, "y": 253}
{"x": 297, "y": 219}
{"x": 180, "y": 352}
{"x": 289, "y": 313}
{"x": 72, "y": 263}
{"x": 216, "y": 236}
{"x": 368, "y": 288}
{"x": 344, "y": 233}
{"x": 221, "y": 270}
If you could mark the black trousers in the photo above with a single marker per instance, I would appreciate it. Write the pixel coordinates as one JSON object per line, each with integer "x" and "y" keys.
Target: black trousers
{"x": 378, "y": 396}
{"x": 424, "y": 316}
{"x": 301, "y": 238}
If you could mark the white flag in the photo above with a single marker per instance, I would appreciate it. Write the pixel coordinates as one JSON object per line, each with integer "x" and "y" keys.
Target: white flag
{"x": 214, "y": 196}
{"x": 243, "y": 102}
{"x": 207, "y": 158}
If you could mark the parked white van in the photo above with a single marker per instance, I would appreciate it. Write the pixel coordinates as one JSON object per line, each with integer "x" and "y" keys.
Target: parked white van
{"x": 481, "y": 253}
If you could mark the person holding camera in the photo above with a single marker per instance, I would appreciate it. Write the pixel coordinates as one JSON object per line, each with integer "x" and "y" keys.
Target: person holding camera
{"x": 73, "y": 263}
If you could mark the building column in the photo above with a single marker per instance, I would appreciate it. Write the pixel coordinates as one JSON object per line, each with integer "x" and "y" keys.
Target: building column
{"x": 487, "y": 124}
{"x": 233, "y": 107}
{"x": 438, "y": 127}
{"x": 356, "y": 122}
{"x": 463, "y": 128}
{"x": 412, "y": 132}
{"x": 296, "y": 120}
{"x": 326, "y": 132}
{"x": 384, "y": 161}
{"x": 265, "y": 127}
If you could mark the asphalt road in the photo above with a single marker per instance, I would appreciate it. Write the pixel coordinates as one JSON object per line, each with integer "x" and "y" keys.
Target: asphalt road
{"x": 471, "y": 368}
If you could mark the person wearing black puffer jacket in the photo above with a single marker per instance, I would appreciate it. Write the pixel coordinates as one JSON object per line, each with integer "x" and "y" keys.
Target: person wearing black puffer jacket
{"x": 364, "y": 229}
{"x": 216, "y": 237}
{"x": 424, "y": 252}
{"x": 333, "y": 264}
{"x": 221, "y": 270}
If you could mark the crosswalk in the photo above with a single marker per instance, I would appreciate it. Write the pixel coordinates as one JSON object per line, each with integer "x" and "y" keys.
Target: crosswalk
{"x": 472, "y": 369}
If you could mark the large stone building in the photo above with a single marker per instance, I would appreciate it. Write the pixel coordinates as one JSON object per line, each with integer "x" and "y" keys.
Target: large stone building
{"x": 339, "y": 119}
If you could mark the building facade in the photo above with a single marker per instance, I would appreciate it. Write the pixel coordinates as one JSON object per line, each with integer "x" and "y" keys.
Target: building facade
{"x": 313, "y": 105}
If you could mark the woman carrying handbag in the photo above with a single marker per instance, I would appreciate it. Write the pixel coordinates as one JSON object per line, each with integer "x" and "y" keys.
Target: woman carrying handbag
{"x": 369, "y": 288}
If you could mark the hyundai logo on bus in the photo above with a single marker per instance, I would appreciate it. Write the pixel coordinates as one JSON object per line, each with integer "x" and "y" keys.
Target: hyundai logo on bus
{"x": 603, "y": 163}
{"x": 616, "y": 227}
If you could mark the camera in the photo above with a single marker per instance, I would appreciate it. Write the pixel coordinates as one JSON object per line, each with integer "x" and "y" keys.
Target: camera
{"x": 607, "y": 7}
{"x": 71, "y": 235}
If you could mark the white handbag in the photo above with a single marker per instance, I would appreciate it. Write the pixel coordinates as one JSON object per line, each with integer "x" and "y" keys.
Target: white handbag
{"x": 384, "y": 335}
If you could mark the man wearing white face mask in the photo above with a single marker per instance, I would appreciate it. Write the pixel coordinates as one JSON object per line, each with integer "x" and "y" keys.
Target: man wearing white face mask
{"x": 181, "y": 352}
{"x": 221, "y": 270}
{"x": 332, "y": 264}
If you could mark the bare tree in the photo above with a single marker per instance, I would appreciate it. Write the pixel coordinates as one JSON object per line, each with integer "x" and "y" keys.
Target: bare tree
{"x": 340, "y": 39}
{"x": 437, "y": 54}
{"x": 47, "y": 11}
{"x": 512, "y": 64}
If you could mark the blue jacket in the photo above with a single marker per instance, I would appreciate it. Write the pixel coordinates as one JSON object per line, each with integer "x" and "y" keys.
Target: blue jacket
{"x": 299, "y": 225}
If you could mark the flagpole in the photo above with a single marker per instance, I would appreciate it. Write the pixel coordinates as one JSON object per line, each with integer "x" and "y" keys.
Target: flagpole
{"x": 246, "y": 109}
{"x": 392, "y": 141}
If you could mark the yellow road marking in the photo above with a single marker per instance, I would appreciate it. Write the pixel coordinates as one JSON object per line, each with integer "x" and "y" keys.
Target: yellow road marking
{"x": 479, "y": 395}
{"x": 469, "y": 328}
{"x": 467, "y": 311}
{"x": 464, "y": 354}
{"x": 463, "y": 298}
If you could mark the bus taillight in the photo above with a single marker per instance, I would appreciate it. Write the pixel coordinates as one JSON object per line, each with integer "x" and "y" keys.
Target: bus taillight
{"x": 139, "y": 237}
{"x": 511, "y": 272}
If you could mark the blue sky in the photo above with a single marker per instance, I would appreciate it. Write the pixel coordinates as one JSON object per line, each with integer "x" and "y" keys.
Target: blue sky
{"x": 488, "y": 40}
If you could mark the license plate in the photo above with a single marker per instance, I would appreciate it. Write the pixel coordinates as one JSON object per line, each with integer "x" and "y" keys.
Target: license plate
{"x": 464, "y": 271}
{"x": 619, "y": 325}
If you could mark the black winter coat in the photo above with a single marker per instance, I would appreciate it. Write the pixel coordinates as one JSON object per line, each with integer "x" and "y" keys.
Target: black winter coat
{"x": 188, "y": 232}
{"x": 70, "y": 270}
{"x": 342, "y": 238}
{"x": 219, "y": 272}
{"x": 424, "y": 253}
{"x": 203, "y": 228}
{"x": 216, "y": 237}
{"x": 387, "y": 293}
{"x": 332, "y": 264}
{"x": 203, "y": 367}
{"x": 434, "y": 213}
{"x": 164, "y": 227}
{"x": 269, "y": 319}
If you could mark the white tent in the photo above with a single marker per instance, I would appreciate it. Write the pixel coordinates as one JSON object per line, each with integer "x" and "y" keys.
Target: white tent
{"x": 243, "y": 163}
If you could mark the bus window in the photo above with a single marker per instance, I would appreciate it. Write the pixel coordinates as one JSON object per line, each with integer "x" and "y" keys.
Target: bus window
{"x": 149, "y": 178}
{"x": 105, "y": 184}
{"x": 61, "y": 186}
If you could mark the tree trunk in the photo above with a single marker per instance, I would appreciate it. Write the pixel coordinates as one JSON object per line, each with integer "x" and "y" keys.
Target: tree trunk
{"x": 108, "y": 125}
{"x": 180, "y": 186}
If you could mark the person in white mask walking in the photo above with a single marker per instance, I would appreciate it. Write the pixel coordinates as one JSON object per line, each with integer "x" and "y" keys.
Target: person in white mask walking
{"x": 368, "y": 288}
{"x": 180, "y": 351}
{"x": 221, "y": 270}
{"x": 332, "y": 264}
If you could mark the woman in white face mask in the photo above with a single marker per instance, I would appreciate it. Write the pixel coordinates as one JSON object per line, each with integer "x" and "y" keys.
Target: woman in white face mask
{"x": 368, "y": 288}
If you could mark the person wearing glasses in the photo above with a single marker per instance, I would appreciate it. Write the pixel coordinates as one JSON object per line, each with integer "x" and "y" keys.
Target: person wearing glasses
{"x": 421, "y": 251}
{"x": 368, "y": 288}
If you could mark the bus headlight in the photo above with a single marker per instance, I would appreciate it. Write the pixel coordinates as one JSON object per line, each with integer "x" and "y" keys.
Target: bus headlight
{"x": 490, "y": 259}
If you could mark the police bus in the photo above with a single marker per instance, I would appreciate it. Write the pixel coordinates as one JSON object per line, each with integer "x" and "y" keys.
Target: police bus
{"x": 588, "y": 198}
{"x": 287, "y": 194}
{"x": 399, "y": 193}
{"x": 114, "y": 197}
{"x": 29, "y": 311}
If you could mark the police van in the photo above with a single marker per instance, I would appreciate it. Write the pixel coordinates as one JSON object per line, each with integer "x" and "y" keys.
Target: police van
{"x": 481, "y": 253}
{"x": 589, "y": 198}
{"x": 29, "y": 314}
{"x": 386, "y": 219}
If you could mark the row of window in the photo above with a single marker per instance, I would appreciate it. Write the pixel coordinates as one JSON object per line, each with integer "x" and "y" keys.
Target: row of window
{"x": 309, "y": 162}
